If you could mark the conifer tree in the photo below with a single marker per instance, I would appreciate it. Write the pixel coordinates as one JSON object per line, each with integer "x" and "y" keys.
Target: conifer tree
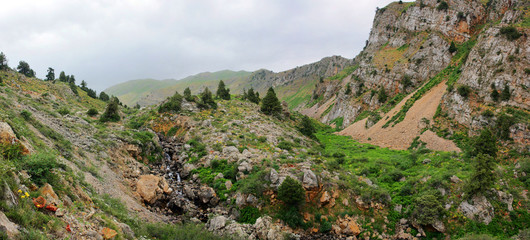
{"x": 206, "y": 100}
{"x": 306, "y": 127}
{"x": 505, "y": 95}
{"x": 23, "y": 67}
{"x": 62, "y": 76}
{"x": 270, "y": 104}
{"x": 222, "y": 91}
{"x": 253, "y": 96}
{"x": 3, "y": 62}
{"x": 111, "y": 112}
{"x": 51, "y": 74}
{"x": 172, "y": 105}
{"x": 187, "y": 95}
{"x": 104, "y": 97}
{"x": 483, "y": 175}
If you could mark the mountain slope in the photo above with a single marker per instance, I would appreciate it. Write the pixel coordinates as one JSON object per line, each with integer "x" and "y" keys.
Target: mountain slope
{"x": 149, "y": 91}
{"x": 475, "y": 47}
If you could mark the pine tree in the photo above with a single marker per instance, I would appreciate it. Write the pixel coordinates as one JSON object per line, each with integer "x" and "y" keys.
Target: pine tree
{"x": 187, "y": 95}
{"x": 270, "y": 104}
{"x": 485, "y": 143}
{"x": 104, "y": 97}
{"x": 505, "y": 95}
{"x": 206, "y": 100}
{"x": 51, "y": 74}
{"x": 3, "y": 62}
{"x": 23, "y": 68}
{"x": 494, "y": 93}
{"x": 111, "y": 112}
{"x": 452, "y": 48}
{"x": 222, "y": 91}
{"x": 483, "y": 175}
{"x": 382, "y": 96}
{"x": 306, "y": 127}
{"x": 348, "y": 89}
{"x": 73, "y": 87}
{"x": 62, "y": 76}
{"x": 253, "y": 96}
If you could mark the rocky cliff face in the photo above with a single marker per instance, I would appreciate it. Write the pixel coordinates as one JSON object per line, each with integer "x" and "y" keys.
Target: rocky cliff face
{"x": 410, "y": 44}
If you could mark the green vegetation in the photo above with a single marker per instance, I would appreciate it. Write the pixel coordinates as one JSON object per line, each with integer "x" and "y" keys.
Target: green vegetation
{"x": 464, "y": 91}
{"x": 92, "y": 112}
{"x": 306, "y": 127}
{"x": 443, "y": 6}
{"x": 222, "y": 91}
{"x": 111, "y": 113}
{"x": 23, "y": 68}
{"x": 344, "y": 73}
{"x": 483, "y": 175}
{"x": 206, "y": 101}
{"x": 187, "y": 95}
{"x": 172, "y": 104}
{"x": 510, "y": 33}
{"x": 427, "y": 209}
{"x": 270, "y": 104}
{"x": 249, "y": 214}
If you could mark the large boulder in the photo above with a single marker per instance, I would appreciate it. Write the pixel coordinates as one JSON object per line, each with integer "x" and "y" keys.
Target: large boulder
{"x": 481, "y": 210}
{"x": 207, "y": 195}
{"x": 147, "y": 187}
{"x": 310, "y": 180}
{"x": 186, "y": 170}
{"x": 7, "y": 136}
{"x": 216, "y": 223}
{"x": 8, "y": 227}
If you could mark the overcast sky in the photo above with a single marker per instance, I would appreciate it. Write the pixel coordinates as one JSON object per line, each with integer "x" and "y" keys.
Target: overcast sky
{"x": 105, "y": 42}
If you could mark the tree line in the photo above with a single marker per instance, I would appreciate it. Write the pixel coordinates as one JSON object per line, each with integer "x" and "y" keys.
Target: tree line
{"x": 25, "y": 69}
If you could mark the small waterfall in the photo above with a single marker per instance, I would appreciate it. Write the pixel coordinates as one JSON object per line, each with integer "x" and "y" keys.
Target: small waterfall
{"x": 178, "y": 177}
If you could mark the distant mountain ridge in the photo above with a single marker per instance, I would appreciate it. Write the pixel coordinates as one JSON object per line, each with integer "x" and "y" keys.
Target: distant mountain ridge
{"x": 151, "y": 91}
{"x": 294, "y": 86}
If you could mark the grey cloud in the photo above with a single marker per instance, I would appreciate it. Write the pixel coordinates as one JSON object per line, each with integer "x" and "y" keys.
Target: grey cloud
{"x": 107, "y": 42}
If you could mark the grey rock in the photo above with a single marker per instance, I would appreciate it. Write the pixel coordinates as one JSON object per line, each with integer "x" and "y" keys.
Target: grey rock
{"x": 217, "y": 223}
{"x": 186, "y": 170}
{"x": 127, "y": 231}
{"x": 274, "y": 177}
{"x": 506, "y": 198}
{"x": 244, "y": 167}
{"x": 426, "y": 161}
{"x": 455, "y": 179}
{"x": 228, "y": 184}
{"x": 6, "y": 226}
{"x": 252, "y": 200}
{"x": 481, "y": 210}
{"x": 439, "y": 226}
{"x": 8, "y": 196}
{"x": 309, "y": 180}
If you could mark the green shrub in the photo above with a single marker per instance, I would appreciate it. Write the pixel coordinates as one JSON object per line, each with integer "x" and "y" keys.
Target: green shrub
{"x": 253, "y": 184}
{"x": 510, "y": 33}
{"x": 485, "y": 143}
{"x": 173, "y": 104}
{"x": 291, "y": 216}
{"x": 111, "y": 113}
{"x": 10, "y": 151}
{"x": 291, "y": 192}
{"x": 262, "y": 139}
{"x": 325, "y": 227}
{"x": 198, "y": 147}
{"x": 249, "y": 214}
{"x": 92, "y": 112}
{"x": 306, "y": 127}
{"x": 443, "y": 6}
{"x": 452, "y": 48}
{"x": 381, "y": 95}
{"x": 26, "y": 115}
{"x": 41, "y": 167}
{"x": 427, "y": 209}
{"x": 63, "y": 111}
{"x": 483, "y": 175}
{"x": 285, "y": 145}
{"x": 464, "y": 91}
{"x": 474, "y": 236}
{"x": 502, "y": 126}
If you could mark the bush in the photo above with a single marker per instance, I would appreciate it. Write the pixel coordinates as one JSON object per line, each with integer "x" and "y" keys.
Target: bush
{"x": 111, "y": 112}
{"x": 92, "y": 112}
{"x": 291, "y": 216}
{"x": 464, "y": 91}
{"x": 485, "y": 143}
{"x": 63, "y": 111}
{"x": 173, "y": 104}
{"x": 382, "y": 96}
{"x": 285, "y": 145}
{"x": 26, "y": 115}
{"x": 40, "y": 168}
{"x": 483, "y": 175}
{"x": 510, "y": 33}
{"x": 306, "y": 127}
{"x": 325, "y": 227}
{"x": 427, "y": 209}
{"x": 452, "y": 48}
{"x": 502, "y": 126}
{"x": 506, "y": 94}
{"x": 206, "y": 101}
{"x": 443, "y": 6}
{"x": 270, "y": 104}
{"x": 291, "y": 192}
{"x": 249, "y": 214}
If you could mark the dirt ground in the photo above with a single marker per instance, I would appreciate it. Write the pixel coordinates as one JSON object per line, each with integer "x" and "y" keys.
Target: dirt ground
{"x": 402, "y": 134}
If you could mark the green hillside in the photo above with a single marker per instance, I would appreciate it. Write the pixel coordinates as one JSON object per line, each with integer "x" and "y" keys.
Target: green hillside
{"x": 151, "y": 91}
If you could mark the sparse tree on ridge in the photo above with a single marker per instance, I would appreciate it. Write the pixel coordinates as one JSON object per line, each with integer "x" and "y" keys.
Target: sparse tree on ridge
{"x": 222, "y": 91}
{"x": 23, "y": 68}
{"x": 51, "y": 74}
{"x": 104, "y": 97}
{"x": 206, "y": 100}
{"x": 270, "y": 104}
{"x": 62, "y": 76}
{"x": 3, "y": 62}
{"x": 112, "y": 111}
{"x": 187, "y": 95}
{"x": 253, "y": 96}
